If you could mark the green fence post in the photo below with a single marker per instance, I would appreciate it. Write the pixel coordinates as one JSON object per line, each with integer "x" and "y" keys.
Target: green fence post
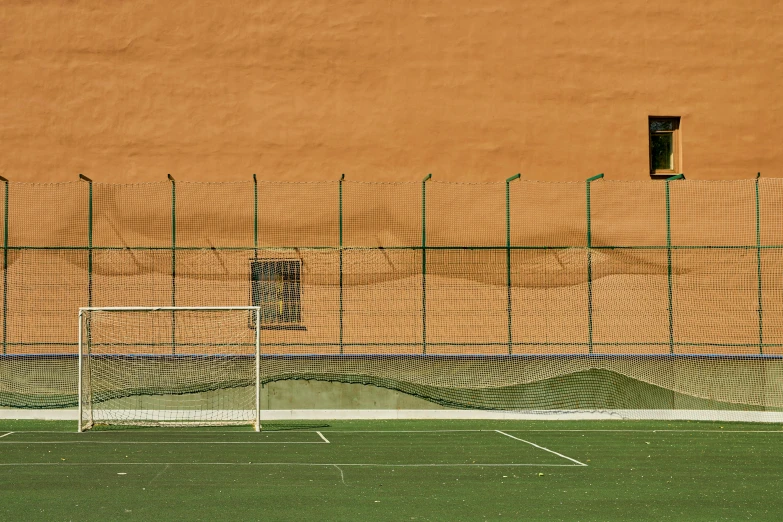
{"x": 508, "y": 258}
{"x": 255, "y": 217}
{"x": 758, "y": 265}
{"x": 590, "y": 266}
{"x": 669, "y": 260}
{"x": 5, "y": 267}
{"x": 254, "y": 314}
{"x": 424, "y": 262}
{"x": 173, "y": 263}
{"x": 340, "y": 250}
{"x": 89, "y": 240}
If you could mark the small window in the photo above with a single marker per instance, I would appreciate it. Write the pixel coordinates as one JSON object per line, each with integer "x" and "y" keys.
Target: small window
{"x": 664, "y": 145}
{"x": 275, "y": 287}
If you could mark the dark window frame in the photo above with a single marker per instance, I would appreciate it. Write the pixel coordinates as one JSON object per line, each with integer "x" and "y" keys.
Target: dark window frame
{"x": 665, "y": 126}
{"x": 276, "y": 286}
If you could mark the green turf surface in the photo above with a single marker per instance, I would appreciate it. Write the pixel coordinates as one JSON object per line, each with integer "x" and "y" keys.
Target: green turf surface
{"x": 395, "y": 470}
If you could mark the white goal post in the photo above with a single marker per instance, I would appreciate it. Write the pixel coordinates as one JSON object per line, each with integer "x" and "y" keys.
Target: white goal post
{"x": 169, "y": 366}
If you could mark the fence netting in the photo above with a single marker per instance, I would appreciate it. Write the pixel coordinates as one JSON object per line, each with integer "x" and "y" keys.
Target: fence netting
{"x": 514, "y": 296}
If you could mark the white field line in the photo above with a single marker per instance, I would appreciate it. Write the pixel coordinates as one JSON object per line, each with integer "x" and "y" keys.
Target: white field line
{"x": 342, "y": 476}
{"x": 716, "y": 431}
{"x": 544, "y": 431}
{"x": 161, "y": 472}
{"x": 541, "y": 447}
{"x": 6, "y": 434}
{"x": 312, "y": 464}
{"x": 191, "y": 430}
{"x": 649, "y": 431}
{"x": 514, "y": 431}
{"x": 106, "y": 433}
{"x": 86, "y": 441}
{"x": 94, "y": 433}
{"x": 156, "y": 442}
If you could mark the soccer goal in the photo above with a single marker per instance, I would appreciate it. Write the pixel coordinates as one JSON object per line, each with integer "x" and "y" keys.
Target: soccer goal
{"x": 169, "y": 366}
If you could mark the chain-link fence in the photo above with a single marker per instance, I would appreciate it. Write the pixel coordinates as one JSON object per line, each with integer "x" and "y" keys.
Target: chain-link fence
{"x": 646, "y": 280}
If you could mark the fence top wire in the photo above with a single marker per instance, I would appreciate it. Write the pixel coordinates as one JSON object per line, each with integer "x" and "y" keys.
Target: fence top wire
{"x": 166, "y": 182}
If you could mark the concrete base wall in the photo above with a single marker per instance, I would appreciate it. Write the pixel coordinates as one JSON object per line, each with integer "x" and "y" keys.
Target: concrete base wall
{"x": 318, "y": 395}
{"x": 315, "y": 400}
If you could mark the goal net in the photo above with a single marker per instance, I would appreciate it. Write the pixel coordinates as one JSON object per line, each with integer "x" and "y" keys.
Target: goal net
{"x": 170, "y": 366}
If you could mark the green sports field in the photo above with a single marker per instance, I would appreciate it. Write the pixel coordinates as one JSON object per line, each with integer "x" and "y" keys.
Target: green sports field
{"x": 394, "y": 470}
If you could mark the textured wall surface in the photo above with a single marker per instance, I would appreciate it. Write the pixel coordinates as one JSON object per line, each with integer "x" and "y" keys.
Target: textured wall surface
{"x": 305, "y": 90}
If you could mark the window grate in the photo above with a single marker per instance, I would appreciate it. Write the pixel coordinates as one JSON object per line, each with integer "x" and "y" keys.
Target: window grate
{"x": 275, "y": 287}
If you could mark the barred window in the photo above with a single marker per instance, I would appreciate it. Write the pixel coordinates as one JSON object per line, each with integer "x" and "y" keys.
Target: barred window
{"x": 275, "y": 287}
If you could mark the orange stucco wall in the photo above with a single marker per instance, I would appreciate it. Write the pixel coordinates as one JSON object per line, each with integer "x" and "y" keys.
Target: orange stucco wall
{"x": 301, "y": 90}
